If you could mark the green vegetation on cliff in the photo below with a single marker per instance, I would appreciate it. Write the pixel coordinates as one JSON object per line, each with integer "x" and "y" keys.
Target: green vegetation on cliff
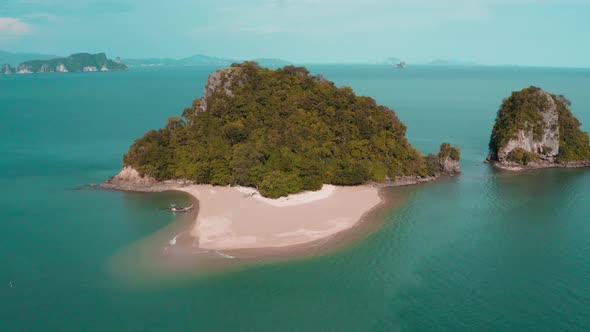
{"x": 282, "y": 131}
{"x": 522, "y": 157}
{"x": 521, "y": 109}
{"x": 524, "y": 110}
{"x": 574, "y": 144}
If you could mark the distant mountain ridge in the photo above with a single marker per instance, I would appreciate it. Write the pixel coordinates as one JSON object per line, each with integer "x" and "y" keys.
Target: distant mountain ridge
{"x": 80, "y": 62}
{"x": 436, "y": 62}
{"x": 201, "y": 60}
{"x": 195, "y": 60}
{"x": 451, "y": 62}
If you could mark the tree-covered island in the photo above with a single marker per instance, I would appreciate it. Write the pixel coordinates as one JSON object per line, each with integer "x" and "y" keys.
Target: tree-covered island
{"x": 79, "y": 62}
{"x": 536, "y": 129}
{"x": 283, "y": 131}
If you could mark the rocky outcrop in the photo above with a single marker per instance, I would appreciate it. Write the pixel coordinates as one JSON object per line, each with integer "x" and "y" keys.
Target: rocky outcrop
{"x": 7, "y": 70}
{"x": 528, "y": 133}
{"x": 129, "y": 179}
{"x": 219, "y": 81}
{"x": 22, "y": 69}
{"x": 130, "y": 174}
{"x": 449, "y": 166}
{"x": 61, "y": 68}
{"x": 546, "y": 145}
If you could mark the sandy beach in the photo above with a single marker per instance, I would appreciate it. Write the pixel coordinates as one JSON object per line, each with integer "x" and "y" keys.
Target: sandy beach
{"x": 239, "y": 218}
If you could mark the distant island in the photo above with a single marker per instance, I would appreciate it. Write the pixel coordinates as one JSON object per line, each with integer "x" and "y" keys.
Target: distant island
{"x": 391, "y": 61}
{"x": 437, "y": 62}
{"x": 195, "y": 60}
{"x": 201, "y": 60}
{"x": 451, "y": 62}
{"x": 536, "y": 129}
{"x": 278, "y": 158}
{"x": 80, "y": 62}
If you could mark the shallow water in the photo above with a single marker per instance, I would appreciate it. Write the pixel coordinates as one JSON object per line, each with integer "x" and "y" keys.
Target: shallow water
{"x": 486, "y": 250}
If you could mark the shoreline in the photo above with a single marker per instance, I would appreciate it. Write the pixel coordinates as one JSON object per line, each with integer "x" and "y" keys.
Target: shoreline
{"x": 152, "y": 260}
{"x": 513, "y": 167}
{"x": 134, "y": 183}
{"x": 239, "y": 219}
{"x": 174, "y": 253}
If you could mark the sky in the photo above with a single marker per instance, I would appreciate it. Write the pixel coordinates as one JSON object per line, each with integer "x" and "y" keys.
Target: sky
{"x": 491, "y": 32}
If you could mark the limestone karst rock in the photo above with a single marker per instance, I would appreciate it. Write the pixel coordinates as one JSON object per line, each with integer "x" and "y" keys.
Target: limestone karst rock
{"x": 537, "y": 129}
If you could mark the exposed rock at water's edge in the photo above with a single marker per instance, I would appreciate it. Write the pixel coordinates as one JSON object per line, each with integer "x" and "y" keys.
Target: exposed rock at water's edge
{"x": 536, "y": 129}
{"x": 7, "y": 70}
{"x": 130, "y": 180}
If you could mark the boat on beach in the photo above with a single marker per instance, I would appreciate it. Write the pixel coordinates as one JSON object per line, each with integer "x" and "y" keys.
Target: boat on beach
{"x": 174, "y": 208}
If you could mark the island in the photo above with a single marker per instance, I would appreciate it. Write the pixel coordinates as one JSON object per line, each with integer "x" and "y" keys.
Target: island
{"x": 80, "y": 62}
{"x": 451, "y": 62}
{"x": 536, "y": 129}
{"x": 278, "y": 157}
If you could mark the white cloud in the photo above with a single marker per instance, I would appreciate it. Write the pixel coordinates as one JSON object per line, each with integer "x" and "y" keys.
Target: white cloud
{"x": 13, "y": 27}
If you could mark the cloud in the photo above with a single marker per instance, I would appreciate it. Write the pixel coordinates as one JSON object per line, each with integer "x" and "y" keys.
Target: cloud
{"x": 13, "y": 27}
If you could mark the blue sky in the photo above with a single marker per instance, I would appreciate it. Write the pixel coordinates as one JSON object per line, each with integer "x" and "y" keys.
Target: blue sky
{"x": 495, "y": 32}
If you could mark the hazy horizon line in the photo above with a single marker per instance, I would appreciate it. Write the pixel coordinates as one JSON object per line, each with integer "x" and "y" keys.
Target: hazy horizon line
{"x": 468, "y": 63}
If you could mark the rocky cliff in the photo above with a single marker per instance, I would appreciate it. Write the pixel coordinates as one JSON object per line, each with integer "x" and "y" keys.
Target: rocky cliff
{"x": 536, "y": 129}
{"x": 219, "y": 81}
{"x": 7, "y": 70}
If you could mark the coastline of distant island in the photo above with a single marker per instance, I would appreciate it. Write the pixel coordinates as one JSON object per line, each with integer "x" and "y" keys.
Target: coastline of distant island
{"x": 79, "y": 62}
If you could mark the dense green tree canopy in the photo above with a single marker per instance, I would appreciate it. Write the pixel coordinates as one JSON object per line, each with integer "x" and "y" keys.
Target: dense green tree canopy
{"x": 282, "y": 131}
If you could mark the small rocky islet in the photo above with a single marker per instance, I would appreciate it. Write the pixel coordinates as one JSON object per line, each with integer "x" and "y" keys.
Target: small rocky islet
{"x": 536, "y": 129}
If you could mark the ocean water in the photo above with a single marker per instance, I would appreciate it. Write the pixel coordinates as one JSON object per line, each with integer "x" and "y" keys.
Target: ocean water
{"x": 483, "y": 251}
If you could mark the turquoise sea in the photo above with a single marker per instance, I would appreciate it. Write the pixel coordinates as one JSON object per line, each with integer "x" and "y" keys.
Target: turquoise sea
{"x": 484, "y": 251}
